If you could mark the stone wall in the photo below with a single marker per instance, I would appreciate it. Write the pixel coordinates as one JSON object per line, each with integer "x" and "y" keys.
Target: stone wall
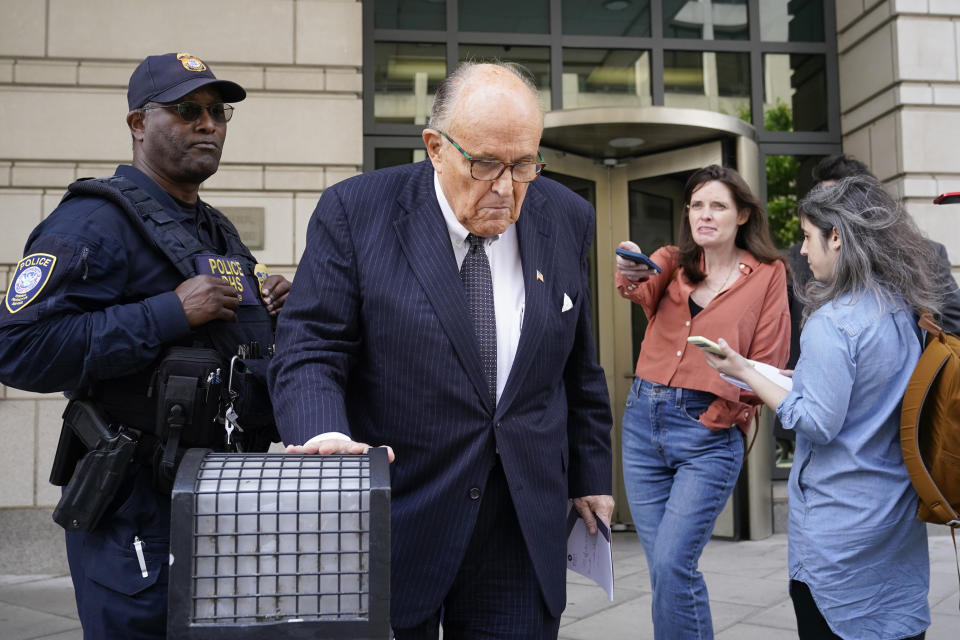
{"x": 900, "y": 102}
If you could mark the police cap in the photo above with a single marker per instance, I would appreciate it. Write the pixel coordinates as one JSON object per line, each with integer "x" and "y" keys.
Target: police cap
{"x": 171, "y": 76}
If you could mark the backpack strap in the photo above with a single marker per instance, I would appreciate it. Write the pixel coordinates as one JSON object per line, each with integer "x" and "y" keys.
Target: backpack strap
{"x": 147, "y": 216}
{"x": 924, "y": 376}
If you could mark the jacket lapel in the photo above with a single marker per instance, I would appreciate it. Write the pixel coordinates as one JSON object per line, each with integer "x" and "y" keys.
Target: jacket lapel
{"x": 537, "y": 259}
{"x": 425, "y": 243}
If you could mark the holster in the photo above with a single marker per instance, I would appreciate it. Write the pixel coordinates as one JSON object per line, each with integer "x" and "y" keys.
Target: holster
{"x": 98, "y": 473}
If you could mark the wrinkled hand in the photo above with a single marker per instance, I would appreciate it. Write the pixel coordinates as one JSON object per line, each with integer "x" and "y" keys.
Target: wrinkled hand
{"x": 634, "y": 271}
{"x": 275, "y": 290}
{"x": 589, "y": 505}
{"x": 205, "y": 298}
{"x": 327, "y": 446}
{"x": 732, "y": 363}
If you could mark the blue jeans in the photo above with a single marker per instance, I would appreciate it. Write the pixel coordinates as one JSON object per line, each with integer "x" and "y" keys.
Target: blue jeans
{"x": 678, "y": 475}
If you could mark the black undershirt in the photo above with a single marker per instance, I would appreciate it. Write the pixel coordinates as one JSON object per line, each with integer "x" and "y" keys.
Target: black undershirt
{"x": 694, "y": 307}
{"x": 202, "y": 227}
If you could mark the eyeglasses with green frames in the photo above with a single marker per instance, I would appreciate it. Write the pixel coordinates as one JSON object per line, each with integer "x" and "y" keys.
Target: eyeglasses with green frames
{"x": 489, "y": 170}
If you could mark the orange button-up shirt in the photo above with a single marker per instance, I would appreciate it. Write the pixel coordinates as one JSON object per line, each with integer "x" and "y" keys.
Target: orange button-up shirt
{"x": 751, "y": 315}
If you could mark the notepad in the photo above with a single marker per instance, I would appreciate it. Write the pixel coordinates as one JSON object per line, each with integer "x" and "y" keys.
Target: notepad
{"x": 768, "y": 371}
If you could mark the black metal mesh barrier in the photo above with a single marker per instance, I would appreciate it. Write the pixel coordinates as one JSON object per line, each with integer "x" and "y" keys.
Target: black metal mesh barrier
{"x": 280, "y": 546}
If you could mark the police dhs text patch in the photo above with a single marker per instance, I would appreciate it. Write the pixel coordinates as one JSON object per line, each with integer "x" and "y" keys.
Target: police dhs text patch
{"x": 230, "y": 271}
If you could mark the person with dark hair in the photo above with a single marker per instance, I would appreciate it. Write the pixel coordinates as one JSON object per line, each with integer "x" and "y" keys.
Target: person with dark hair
{"x": 858, "y": 558}
{"x": 837, "y": 167}
{"x": 442, "y": 308}
{"x": 683, "y": 425}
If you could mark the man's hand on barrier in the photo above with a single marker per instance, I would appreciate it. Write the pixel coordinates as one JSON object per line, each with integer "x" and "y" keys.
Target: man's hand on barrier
{"x": 327, "y": 443}
{"x": 205, "y": 298}
{"x": 274, "y": 291}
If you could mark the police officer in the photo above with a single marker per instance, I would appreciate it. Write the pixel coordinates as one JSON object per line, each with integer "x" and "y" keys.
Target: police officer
{"x": 123, "y": 269}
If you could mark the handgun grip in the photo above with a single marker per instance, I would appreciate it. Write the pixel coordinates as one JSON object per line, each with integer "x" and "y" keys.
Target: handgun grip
{"x": 86, "y": 422}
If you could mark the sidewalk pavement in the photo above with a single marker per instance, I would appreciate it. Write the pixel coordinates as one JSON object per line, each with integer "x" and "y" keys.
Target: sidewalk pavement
{"x": 747, "y": 582}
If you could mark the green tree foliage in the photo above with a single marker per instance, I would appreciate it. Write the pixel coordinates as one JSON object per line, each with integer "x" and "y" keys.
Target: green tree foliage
{"x": 782, "y": 183}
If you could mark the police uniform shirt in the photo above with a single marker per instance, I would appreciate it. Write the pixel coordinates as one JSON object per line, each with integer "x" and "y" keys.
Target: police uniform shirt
{"x": 107, "y": 305}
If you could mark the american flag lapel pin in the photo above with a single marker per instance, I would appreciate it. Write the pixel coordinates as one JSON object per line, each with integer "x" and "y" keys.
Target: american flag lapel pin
{"x": 539, "y": 276}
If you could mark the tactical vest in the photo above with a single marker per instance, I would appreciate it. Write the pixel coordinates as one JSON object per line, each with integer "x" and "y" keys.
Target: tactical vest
{"x": 182, "y": 249}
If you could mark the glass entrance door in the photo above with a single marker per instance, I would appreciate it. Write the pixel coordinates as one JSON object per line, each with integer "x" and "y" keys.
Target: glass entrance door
{"x": 638, "y": 199}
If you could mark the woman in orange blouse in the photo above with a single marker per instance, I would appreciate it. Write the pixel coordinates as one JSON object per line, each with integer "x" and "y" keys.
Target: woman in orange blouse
{"x": 682, "y": 440}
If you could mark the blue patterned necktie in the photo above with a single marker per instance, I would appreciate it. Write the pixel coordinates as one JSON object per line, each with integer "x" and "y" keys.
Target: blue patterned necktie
{"x": 478, "y": 283}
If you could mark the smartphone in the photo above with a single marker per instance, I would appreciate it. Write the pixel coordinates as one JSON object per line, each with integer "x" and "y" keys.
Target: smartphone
{"x": 640, "y": 258}
{"x": 947, "y": 198}
{"x": 707, "y": 345}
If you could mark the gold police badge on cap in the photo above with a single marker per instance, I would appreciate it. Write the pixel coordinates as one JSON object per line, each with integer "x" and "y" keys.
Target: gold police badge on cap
{"x": 191, "y": 62}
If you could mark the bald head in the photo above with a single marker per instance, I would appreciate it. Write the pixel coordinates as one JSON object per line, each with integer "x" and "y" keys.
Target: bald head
{"x": 499, "y": 81}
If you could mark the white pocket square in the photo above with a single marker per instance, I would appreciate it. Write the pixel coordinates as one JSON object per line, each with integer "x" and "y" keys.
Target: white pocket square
{"x": 567, "y": 303}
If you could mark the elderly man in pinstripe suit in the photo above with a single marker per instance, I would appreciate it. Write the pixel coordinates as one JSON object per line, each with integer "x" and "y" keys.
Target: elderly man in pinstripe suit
{"x": 442, "y": 308}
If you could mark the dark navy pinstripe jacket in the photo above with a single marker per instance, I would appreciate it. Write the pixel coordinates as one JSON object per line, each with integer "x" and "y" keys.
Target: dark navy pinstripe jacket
{"x": 375, "y": 341}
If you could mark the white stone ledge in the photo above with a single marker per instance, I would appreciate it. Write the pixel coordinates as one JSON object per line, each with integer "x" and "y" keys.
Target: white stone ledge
{"x": 854, "y": 31}
{"x": 294, "y": 79}
{"x": 947, "y": 95}
{"x": 294, "y": 178}
{"x": 336, "y": 174}
{"x": 43, "y": 174}
{"x": 915, "y": 93}
{"x": 344, "y": 80}
{"x": 910, "y": 6}
{"x": 45, "y": 72}
{"x": 98, "y": 74}
{"x": 869, "y": 111}
{"x": 100, "y": 169}
{"x": 6, "y": 71}
{"x": 236, "y": 177}
{"x": 106, "y": 74}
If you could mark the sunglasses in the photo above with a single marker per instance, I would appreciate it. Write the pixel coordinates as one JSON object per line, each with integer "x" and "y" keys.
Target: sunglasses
{"x": 191, "y": 111}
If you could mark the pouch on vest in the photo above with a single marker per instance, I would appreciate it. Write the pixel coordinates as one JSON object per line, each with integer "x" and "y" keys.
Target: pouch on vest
{"x": 188, "y": 386}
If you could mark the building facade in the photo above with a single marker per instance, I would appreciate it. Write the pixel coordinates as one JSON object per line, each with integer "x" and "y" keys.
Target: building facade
{"x": 638, "y": 93}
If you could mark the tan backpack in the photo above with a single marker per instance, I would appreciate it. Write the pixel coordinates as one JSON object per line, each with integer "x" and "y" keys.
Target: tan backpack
{"x": 930, "y": 428}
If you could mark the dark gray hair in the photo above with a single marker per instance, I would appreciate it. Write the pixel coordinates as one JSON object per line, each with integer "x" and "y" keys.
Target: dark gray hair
{"x": 882, "y": 250}
{"x": 449, "y": 90}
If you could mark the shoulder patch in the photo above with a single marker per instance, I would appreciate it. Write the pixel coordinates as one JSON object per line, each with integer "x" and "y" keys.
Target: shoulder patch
{"x": 31, "y": 276}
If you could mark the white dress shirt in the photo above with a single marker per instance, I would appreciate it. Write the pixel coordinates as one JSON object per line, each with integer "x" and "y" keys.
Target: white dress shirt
{"x": 503, "y": 253}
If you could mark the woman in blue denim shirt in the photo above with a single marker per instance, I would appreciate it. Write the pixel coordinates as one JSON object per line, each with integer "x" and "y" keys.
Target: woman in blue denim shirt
{"x": 857, "y": 553}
